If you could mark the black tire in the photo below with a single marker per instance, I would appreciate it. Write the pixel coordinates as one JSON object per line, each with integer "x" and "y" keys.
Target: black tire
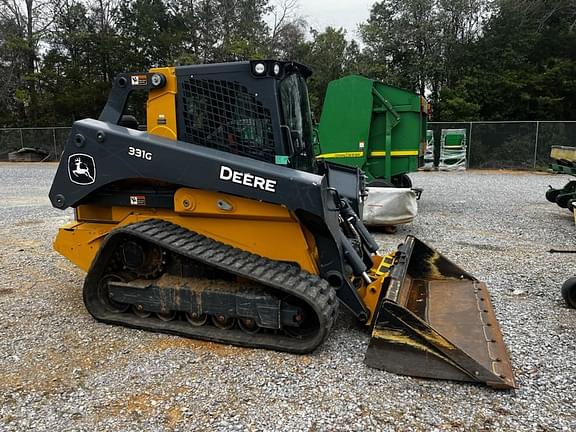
{"x": 399, "y": 181}
{"x": 569, "y": 292}
{"x": 380, "y": 183}
{"x": 402, "y": 181}
{"x": 552, "y": 194}
{"x": 563, "y": 199}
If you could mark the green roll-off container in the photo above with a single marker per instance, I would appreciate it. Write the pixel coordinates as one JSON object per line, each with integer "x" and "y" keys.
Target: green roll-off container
{"x": 376, "y": 127}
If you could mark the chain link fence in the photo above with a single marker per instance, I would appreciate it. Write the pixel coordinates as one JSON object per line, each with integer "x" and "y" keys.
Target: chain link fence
{"x": 516, "y": 145}
{"x": 48, "y": 140}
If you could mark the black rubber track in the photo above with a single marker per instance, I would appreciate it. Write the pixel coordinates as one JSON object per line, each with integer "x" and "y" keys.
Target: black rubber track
{"x": 286, "y": 279}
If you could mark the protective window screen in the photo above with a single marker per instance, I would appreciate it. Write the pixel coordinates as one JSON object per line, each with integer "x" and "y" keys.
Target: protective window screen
{"x": 223, "y": 115}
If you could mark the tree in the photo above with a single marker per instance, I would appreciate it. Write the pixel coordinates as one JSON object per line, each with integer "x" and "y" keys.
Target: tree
{"x": 516, "y": 66}
{"x": 475, "y": 59}
{"x": 150, "y": 34}
{"x": 244, "y": 32}
{"x": 12, "y": 69}
{"x": 326, "y": 55}
{"x": 71, "y": 72}
{"x": 403, "y": 42}
{"x": 107, "y": 48}
{"x": 26, "y": 22}
{"x": 287, "y": 32}
{"x": 422, "y": 45}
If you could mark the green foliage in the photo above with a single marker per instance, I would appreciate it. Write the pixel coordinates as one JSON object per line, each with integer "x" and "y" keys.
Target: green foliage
{"x": 402, "y": 39}
{"x": 522, "y": 68}
{"x": 85, "y": 44}
{"x": 326, "y": 55}
{"x": 474, "y": 59}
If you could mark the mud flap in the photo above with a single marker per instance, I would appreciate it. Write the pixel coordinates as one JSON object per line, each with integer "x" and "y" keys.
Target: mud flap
{"x": 437, "y": 321}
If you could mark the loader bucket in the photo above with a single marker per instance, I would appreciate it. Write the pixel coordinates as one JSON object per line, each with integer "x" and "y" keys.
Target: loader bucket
{"x": 436, "y": 321}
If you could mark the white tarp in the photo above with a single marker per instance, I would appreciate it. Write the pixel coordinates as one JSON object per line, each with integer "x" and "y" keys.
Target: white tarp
{"x": 389, "y": 206}
{"x": 429, "y": 153}
{"x": 453, "y": 156}
{"x": 429, "y": 158}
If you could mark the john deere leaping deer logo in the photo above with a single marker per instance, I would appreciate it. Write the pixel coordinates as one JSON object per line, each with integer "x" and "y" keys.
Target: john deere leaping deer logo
{"x": 81, "y": 169}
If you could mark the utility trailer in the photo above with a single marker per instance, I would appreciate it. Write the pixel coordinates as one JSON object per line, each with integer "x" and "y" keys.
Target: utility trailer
{"x": 563, "y": 162}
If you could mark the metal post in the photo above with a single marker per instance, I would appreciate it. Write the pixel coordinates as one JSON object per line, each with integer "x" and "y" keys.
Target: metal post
{"x": 388, "y": 147}
{"x": 469, "y": 147}
{"x": 536, "y": 143}
{"x": 21, "y": 139}
{"x": 54, "y": 141}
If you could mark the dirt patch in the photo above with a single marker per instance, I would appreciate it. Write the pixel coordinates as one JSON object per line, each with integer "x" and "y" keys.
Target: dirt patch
{"x": 194, "y": 345}
{"x": 54, "y": 371}
{"x": 304, "y": 360}
{"x": 173, "y": 416}
{"x": 134, "y": 404}
{"x": 144, "y": 404}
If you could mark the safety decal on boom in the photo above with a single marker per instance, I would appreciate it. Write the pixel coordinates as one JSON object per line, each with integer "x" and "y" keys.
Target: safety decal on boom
{"x": 138, "y": 80}
{"x": 138, "y": 200}
{"x": 81, "y": 169}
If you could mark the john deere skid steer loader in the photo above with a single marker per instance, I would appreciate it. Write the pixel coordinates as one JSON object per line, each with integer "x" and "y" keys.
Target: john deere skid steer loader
{"x": 217, "y": 223}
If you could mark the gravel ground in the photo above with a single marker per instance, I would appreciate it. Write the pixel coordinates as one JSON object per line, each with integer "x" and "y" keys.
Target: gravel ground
{"x": 61, "y": 370}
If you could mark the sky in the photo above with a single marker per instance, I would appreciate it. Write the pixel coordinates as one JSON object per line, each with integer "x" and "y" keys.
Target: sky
{"x": 336, "y": 13}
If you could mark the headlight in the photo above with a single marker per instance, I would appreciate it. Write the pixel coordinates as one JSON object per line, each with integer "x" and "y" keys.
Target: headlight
{"x": 276, "y": 69}
{"x": 259, "y": 68}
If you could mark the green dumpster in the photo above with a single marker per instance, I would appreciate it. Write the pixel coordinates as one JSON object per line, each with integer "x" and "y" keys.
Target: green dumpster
{"x": 378, "y": 128}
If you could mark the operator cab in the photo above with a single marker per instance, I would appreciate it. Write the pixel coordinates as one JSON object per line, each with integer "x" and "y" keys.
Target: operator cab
{"x": 257, "y": 109}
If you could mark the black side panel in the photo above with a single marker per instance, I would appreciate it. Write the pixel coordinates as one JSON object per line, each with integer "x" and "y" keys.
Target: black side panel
{"x": 123, "y": 195}
{"x": 346, "y": 180}
{"x": 99, "y": 154}
{"x": 107, "y": 153}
